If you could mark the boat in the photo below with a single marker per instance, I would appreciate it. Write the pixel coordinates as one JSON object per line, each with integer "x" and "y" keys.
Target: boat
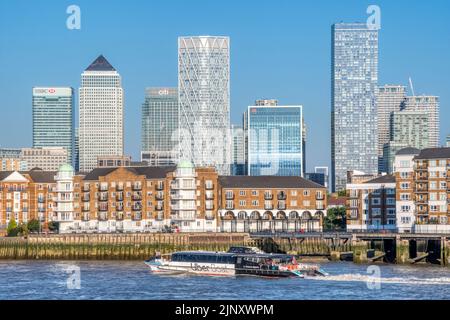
{"x": 238, "y": 261}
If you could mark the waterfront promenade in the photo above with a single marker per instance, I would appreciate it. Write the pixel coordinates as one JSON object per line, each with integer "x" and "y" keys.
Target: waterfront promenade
{"x": 338, "y": 246}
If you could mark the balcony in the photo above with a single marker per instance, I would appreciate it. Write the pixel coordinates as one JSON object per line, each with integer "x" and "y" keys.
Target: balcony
{"x": 85, "y": 188}
{"x": 159, "y": 207}
{"x": 85, "y": 217}
{"x": 160, "y": 186}
{"x": 268, "y": 196}
{"x": 268, "y": 206}
{"x": 39, "y": 210}
{"x": 103, "y": 188}
{"x": 103, "y": 208}
{"x": 119, "y": 187}
{"x": 320, "y": 207}
{"x": 320, "y": 196}
{"x": 103, "y": 196}
{"x": 119, "y": 216}
{"x": 102, "y": 216}
{"x": 137, "y": 216}
{"x": 159, "y": 196}
{"x": 209, "y": 207}
{"x": 136, "y": 186}
{"x": 119, "y": 196}
{"x": 119, "y": 207}
{"x": 86, "y": 198}
{"x": 85, "y": 209}
{"x": 41, "y": 199}
{"x": 137, "y": 196}
{"x": 160, "y": 216}
{"x": 209, "y": 216}
{"x": 136, "y": 207}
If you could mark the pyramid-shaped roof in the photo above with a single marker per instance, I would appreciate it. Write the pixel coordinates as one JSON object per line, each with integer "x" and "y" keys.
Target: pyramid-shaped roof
{"x": 100, "y": 64}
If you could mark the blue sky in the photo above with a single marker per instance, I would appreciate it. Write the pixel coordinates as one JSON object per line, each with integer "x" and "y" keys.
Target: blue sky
{"x": 279, "y": 49}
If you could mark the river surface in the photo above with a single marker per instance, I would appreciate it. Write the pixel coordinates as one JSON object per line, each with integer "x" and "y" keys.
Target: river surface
{"x": 132, "y": 280}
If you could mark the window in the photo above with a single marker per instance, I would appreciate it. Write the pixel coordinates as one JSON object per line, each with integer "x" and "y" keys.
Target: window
{"x": 242, "y": 203}
{"x": 390, "y": 201}
{"x": 391, "y": 211}
{"x": 294, "y": 193}
{"x": 242, "y": 192}
{"x": 255, "y": 192}
{"x": 405, "y": 196}
{"x": 255, "y": 203}
{"x": 375, "y": 201}
{"x": 306, "y": 193}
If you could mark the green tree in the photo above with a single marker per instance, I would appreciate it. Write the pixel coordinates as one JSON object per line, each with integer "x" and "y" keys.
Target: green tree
{"x": 12, "y": 229}
{"x": 335, "y": 219}
{"x": 33, "y": 225}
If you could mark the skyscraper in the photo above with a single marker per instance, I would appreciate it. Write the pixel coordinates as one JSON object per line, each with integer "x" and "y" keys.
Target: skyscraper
{"x": 101, "y": 113}
{"x": 447, "y": 140}
{"x": 204, "y": 98}
{"x": 159, "y": 126}
{"x": 274, "y": 140}
{"x": 237, "y": 151}
{"x": 53, "y": 118}
{"x": 407, "y": 129}
{"x": 390, "y": 99}
{"x": 429, "y": 105}
{"x": 354, "y": 110}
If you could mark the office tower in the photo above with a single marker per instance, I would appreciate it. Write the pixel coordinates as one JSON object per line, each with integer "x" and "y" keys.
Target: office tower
{"x": 448, "y": 141}
{"x": 204, "y": 98}
{"x": 237, "y": 150}
{"x": 275, "y": 142}
{"x": 429, "y": 105}
{"x": 101, "y": 113}
{"x": 45, "y": 158}
{"x": 77, "y": 151}
{"x": 390, "y": 99}
{"x": 324, "y": 172}
{"x": 354, "y": 108}
{"x": 266, "y": 102}
{"x": 303, "y": 147}
{"x": 407, "y": 129}
{"x": 159, "y": 127}
{"x": 54, "y": 118}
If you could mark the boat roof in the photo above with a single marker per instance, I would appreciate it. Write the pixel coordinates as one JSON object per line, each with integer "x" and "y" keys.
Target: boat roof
{"x": 250, "y": 255}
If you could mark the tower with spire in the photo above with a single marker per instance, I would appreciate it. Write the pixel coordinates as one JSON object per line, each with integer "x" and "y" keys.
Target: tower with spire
{"x": 100, "y": 113}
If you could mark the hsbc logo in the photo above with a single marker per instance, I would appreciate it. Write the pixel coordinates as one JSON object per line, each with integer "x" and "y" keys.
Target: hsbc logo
{"x": 51, "y": 90}
{"x": 163, "y": 92}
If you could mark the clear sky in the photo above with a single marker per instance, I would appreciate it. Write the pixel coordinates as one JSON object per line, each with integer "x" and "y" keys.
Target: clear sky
{"x": 279, "y": 49}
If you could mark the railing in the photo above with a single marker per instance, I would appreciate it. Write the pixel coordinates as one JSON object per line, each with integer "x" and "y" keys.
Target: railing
{"x": 229, "y": 196}
{"x": 268, "y": 196}
{"x": 209, "y": 186}
{"x": 160, "y": 186}
{"x": 137, "y": 186}
{"x": 159, "y": 196}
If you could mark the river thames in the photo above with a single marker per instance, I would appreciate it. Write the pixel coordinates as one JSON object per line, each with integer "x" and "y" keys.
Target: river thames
{"x": 132, "y": 280}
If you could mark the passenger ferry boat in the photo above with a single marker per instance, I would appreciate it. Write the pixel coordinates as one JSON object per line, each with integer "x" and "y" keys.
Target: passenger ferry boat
{"x": 237, "y": 261}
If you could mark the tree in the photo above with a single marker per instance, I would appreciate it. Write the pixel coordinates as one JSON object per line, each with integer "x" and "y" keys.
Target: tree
{"x": 335, "y": 219}
{"x": 33, "y": 225}
{"x": 12, "y": 229}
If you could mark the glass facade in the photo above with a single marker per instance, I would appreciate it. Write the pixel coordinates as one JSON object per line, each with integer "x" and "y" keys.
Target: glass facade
{"x": 275, "y": 140}
{"x": 53, "y": 119}
{"x": 159, "y": 126}
{"x": 354, "y": 144}
{"x": 204, "y": 97}
{"x": 237, "y": 151}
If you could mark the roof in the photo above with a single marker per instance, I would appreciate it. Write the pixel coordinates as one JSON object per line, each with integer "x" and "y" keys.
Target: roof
{"x": 388, "y": 178}
{"x": 408, "y": 151}
{"x": 267, "y": 182}
{"x": 149, "y": 172}
{"x": 5, "y": 174}
{"x": 100, "y": 64}
{"x": 336, "y": 201}
{"x": 41, "y": 176}
{"x": 434, "y": 153}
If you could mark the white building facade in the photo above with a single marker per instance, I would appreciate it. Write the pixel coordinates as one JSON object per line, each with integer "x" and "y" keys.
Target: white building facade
{"x": 204, "y": 98}
{"x": 100, "y": 114}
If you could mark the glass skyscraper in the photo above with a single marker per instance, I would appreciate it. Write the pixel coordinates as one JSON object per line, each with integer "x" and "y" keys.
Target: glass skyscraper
{"x": 53, "y": 118}
{"x": 159, "y": 126}
{"x": 354, "y": 139}
{"x": 237, "y": 151}
{"x": 204, "y": 97}
{"x": 274, "y": 140}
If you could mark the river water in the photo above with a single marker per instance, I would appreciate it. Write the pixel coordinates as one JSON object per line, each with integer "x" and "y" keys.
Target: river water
{"x": 132, "y": 280}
